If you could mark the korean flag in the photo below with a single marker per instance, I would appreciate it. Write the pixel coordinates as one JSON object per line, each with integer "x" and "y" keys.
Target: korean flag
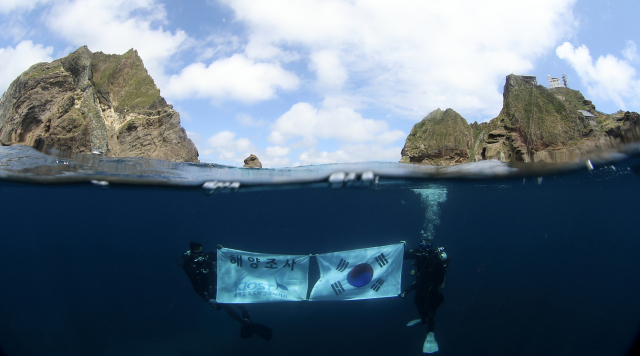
{"x": 359, "y": 274}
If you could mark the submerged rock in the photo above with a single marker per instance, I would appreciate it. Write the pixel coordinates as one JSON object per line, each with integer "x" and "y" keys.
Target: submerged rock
{"x": 535, "y": 124}
{"x": 252, "y": 162}
{"x": 93, "y": 102}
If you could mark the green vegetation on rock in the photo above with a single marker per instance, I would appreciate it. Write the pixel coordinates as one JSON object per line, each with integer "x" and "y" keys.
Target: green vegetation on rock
{"x": 123, "y": 81}
{"x": 44, "y": 69}
{"x": 535, "y": 125}
{"x": 78, "y": 104}
{"x": 540, "y": 118}
{"x": 573, "y": 99}
{"x": 438, "y": 138}
{"x": 71, "y": 124}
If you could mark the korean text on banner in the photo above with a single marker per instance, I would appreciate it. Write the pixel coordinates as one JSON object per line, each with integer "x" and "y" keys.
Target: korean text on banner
{"x": 360, "y": 274}
{"x": 248, "y": 277}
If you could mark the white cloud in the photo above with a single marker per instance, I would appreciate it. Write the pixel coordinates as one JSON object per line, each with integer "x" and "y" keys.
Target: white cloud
{"x": 247, "y": 121}
{"x": 351, "y": 153}
{"x": 630, "y": 52}
{"x": 609, "y": 78}
{"x": 17, "y": 60}
{"x": 222, "y": 139}
{"x": 259, "y": 49}
{"x": 216, "y": 46}
{"x": 236, "y": 78}
{"x": 328, "y": 68}
{"x": 312, "y": 157}
{"x": 7, "y": 6}
{"x": 272, "y": 162}
{"x": 344, "y": 124}
{"x": 411, "y": 55}
{"x": 278, "y": 151}
{"x": 224, "y": 148}
{"x": 115, "y": 26}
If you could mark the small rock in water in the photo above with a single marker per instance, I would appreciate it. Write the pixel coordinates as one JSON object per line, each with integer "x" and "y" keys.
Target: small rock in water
{"x": 252, "y": 162}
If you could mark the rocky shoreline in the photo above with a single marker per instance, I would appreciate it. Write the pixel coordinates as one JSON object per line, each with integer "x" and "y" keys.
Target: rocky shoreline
{"x": 536, "y": 124}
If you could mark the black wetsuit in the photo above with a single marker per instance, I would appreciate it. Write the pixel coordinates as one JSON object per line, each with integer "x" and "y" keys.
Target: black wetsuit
{"x": 430, "y": 272}
{"x": 201, "y": 269}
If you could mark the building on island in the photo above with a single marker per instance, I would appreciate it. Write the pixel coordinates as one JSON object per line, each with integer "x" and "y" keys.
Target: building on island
{"x": 589, "y": 116}
{"x": 555, "y": 82}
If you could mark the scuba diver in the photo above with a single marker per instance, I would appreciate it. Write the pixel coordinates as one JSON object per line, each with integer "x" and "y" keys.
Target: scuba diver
{"x": 429, "y": 267}
{"x": 201, "y": 269}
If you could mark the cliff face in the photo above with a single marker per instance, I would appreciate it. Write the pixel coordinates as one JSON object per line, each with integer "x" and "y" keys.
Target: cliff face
{"x": 93, "y": 102}
{"x": 536, "y": 125}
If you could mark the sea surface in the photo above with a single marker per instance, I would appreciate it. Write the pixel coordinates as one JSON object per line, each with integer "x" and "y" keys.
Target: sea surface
{"x": 545, "y": 258}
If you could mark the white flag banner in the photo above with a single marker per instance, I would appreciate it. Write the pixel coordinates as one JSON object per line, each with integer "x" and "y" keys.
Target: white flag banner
{"x": 248, "y": 277}
{"x": 359, "y": 274}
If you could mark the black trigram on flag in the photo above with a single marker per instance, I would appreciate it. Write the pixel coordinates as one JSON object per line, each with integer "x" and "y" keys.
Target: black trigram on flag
{"x": 376, "y": 286}
{"x": 337, "y": 287}
{"x": 382, "y": 261}
{"x": 342, "y": 265}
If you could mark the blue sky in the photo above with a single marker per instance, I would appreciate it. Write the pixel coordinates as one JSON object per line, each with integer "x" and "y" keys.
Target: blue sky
{"x": 300, "y": 82}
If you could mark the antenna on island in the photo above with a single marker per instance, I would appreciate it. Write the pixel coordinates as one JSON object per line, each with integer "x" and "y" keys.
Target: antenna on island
{"x": 564, "y": 80}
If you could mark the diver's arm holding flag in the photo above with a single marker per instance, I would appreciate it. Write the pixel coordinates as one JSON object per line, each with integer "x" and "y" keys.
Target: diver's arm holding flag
{"x": 201, "y": 268}
{"x": 410, "y": 289}
{"x": 410, "y": 255}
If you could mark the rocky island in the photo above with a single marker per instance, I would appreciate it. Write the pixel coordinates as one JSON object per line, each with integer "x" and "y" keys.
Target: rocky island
{"x": 535, "y": 124}
{"x": 93, "y": 103}
{"x": 108, "y": 104}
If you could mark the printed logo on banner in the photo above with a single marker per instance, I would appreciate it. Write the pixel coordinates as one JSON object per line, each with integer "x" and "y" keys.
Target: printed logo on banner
{"x": 281, "y": 286}
{"x": 251, "y": 288}
{"x": 247, "y": 277}
{"x": 257, "y": 288}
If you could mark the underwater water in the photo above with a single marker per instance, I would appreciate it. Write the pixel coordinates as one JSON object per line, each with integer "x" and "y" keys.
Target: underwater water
{"x": 544, "y": 262}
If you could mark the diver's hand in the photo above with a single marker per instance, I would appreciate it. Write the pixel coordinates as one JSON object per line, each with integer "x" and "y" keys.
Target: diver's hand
{"x": 214, "y": 304}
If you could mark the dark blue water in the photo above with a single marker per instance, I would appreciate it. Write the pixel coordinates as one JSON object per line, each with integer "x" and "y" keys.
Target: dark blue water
{"x": 537, "y": 269}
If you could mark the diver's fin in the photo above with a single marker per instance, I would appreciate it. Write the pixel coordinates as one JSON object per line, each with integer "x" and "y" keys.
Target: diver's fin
{"x": 245, "y": 315}
{"x": 260, "y": 330}
{"x": 430, "y": 345}
{"x": 414, "y": 322}
{"x": 245, "y": 332}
